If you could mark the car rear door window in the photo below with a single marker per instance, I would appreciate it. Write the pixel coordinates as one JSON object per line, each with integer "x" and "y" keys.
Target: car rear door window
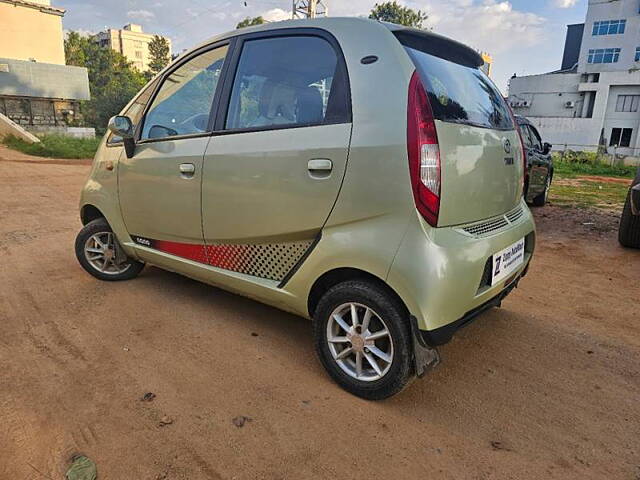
{"x": 287, "y": 82}
{"x": 183, "y": 103}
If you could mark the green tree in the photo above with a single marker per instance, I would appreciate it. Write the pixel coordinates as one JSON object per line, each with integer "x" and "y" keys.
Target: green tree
{"x": 250, "y": 22}
{"x": 159, "y": 53}
{"x": 395, "y": 13}
{"x": 112, "y": 79}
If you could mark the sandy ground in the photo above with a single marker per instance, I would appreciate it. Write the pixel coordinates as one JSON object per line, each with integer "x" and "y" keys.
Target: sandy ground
{"x": 546, "y": 387}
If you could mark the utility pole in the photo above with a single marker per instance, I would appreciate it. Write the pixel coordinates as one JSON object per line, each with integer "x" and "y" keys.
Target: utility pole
{"x": 309, "y": 9}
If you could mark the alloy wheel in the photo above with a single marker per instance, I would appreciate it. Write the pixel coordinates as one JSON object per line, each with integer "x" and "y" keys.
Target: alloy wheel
{"x": 100, "y": 252}
{"x": 360, "y": 342}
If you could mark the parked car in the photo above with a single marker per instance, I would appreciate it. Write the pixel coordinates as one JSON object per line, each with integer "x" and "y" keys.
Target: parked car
{"x": 363, "y": 175}
{"x": 539, "y": 163}
{"x": 629, "y": 231}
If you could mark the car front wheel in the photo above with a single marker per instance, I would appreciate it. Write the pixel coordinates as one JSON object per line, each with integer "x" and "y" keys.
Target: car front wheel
{"x": 98, "y": 252}
{"x": 363, "y": 339}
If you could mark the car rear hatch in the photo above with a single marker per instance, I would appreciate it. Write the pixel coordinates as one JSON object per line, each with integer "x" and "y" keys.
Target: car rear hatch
{"x": 480, "y": 164}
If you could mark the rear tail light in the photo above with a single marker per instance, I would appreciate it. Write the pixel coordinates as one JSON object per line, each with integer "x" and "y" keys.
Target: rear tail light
{"x": 424, "y": 152}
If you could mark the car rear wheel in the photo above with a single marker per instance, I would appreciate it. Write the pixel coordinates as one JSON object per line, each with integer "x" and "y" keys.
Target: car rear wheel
{"x": 97, "y": 250}
{"x": 363, "y": 340}
{"x": 541, "y": 200}
{"x": 629, "y": 231}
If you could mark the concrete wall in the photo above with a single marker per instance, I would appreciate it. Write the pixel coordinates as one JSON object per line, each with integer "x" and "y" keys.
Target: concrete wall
{"x": 10, "y": 128}
{"x": 77, "y": 132}
{"x": 546, "y": 95}
{"x": 571, "y": 133}
{"x": 45, "y": 80}
{"x": 31, "y": 30}
{"x": 30, "y": 112}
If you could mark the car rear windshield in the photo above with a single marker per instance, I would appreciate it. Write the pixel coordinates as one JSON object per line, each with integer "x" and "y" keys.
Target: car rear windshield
{"x": 461, "y": 94}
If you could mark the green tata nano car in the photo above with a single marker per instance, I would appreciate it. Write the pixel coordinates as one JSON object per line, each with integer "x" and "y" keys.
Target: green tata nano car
{"x": 364, "y": 175}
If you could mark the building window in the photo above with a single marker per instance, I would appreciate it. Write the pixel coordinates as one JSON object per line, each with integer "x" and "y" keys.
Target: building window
{"x": 637, "y": 54}
{"x": 627, "y": 103}
{"x": 609, "y": 27}
{"x": 138, "y": 54}
{"x": 604, "y": 55}
{"x": 620, "y": 137}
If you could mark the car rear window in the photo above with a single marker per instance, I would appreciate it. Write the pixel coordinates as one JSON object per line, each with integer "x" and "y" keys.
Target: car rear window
{"x": 461, "y": 93}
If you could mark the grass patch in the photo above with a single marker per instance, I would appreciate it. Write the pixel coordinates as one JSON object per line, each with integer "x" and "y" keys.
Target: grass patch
{"x": 586, "y": 193}
{"x": 585, "y": 163}
{"x": 56, "y": 146}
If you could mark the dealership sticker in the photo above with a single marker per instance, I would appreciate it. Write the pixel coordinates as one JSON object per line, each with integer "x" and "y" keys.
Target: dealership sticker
{"x": 507, "y": 261}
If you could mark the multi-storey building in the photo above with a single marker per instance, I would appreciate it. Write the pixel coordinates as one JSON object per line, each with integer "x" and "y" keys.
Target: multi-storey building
{"x": 131, "y": 42}
{"x": 594, "y": 99}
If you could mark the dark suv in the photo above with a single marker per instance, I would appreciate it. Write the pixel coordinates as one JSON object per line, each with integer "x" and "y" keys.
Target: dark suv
{"x": 539, "y": 164}
{"x": 629, "y": 233}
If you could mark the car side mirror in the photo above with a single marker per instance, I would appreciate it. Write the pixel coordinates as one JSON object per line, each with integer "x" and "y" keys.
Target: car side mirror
{"x": 546, "y": 148}
{"x": 123, "y": 127}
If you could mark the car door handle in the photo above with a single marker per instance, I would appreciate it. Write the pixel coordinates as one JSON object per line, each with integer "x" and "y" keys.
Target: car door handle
{"x": 187, "y": 170}
{"x": 320, "y": 164}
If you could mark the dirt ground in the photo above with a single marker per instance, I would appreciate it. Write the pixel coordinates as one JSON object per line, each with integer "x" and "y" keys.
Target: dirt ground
{"x": 546, "y": 387}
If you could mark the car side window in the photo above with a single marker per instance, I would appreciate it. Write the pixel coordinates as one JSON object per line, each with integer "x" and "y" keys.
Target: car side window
{"x": 535, "y": 138}
{"x": 183, "y": 103}
{"x": 287, "y": 81}
{"x": 526, "y": 136}
{"x": 135, "y": 110}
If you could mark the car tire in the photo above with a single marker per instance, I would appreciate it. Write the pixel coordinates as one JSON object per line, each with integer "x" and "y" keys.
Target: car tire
{"x": 394, "y": 372}
{"x": 96, "y": 246}
{"x": 541, "y": 200}
{"x": 629, "y": 231}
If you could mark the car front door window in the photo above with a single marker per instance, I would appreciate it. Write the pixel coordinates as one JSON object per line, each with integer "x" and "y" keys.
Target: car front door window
{"x": 183, "y": 103}
{"x": 535, "y": 139}
{"x": 135, "y": 110}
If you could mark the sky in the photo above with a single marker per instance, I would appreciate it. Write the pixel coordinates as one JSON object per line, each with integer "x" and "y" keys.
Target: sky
{"x": 524, "y": 36}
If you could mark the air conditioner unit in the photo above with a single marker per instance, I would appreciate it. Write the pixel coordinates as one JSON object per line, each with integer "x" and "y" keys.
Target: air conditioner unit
{"x": 570, "y": 104}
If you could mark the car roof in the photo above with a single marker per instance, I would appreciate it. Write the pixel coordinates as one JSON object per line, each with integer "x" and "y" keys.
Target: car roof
{"x": 325, "y": 22}
{"x": 331, "y": 23}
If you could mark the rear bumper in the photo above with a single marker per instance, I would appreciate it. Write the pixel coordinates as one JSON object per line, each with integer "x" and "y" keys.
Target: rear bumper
{"x": 443, "y": 335}
{"x": 443, "y": 274}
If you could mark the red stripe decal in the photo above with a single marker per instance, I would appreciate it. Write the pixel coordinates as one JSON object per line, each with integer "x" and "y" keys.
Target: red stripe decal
{"x": 190, "y": 251}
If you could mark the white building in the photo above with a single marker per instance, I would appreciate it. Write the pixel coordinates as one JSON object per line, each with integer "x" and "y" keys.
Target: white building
{"x": 595, "y": 98}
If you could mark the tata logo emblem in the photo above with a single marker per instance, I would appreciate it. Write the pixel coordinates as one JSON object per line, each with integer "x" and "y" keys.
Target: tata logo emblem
{"x": 506, "y": 143}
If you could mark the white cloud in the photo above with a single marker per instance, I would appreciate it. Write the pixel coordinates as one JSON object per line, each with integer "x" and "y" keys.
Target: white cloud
{"x": 276, "y": 15}
{"x": 493, "y": 26}
{"x": 565, "y": 3}
{"x": 144, "y": 15}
